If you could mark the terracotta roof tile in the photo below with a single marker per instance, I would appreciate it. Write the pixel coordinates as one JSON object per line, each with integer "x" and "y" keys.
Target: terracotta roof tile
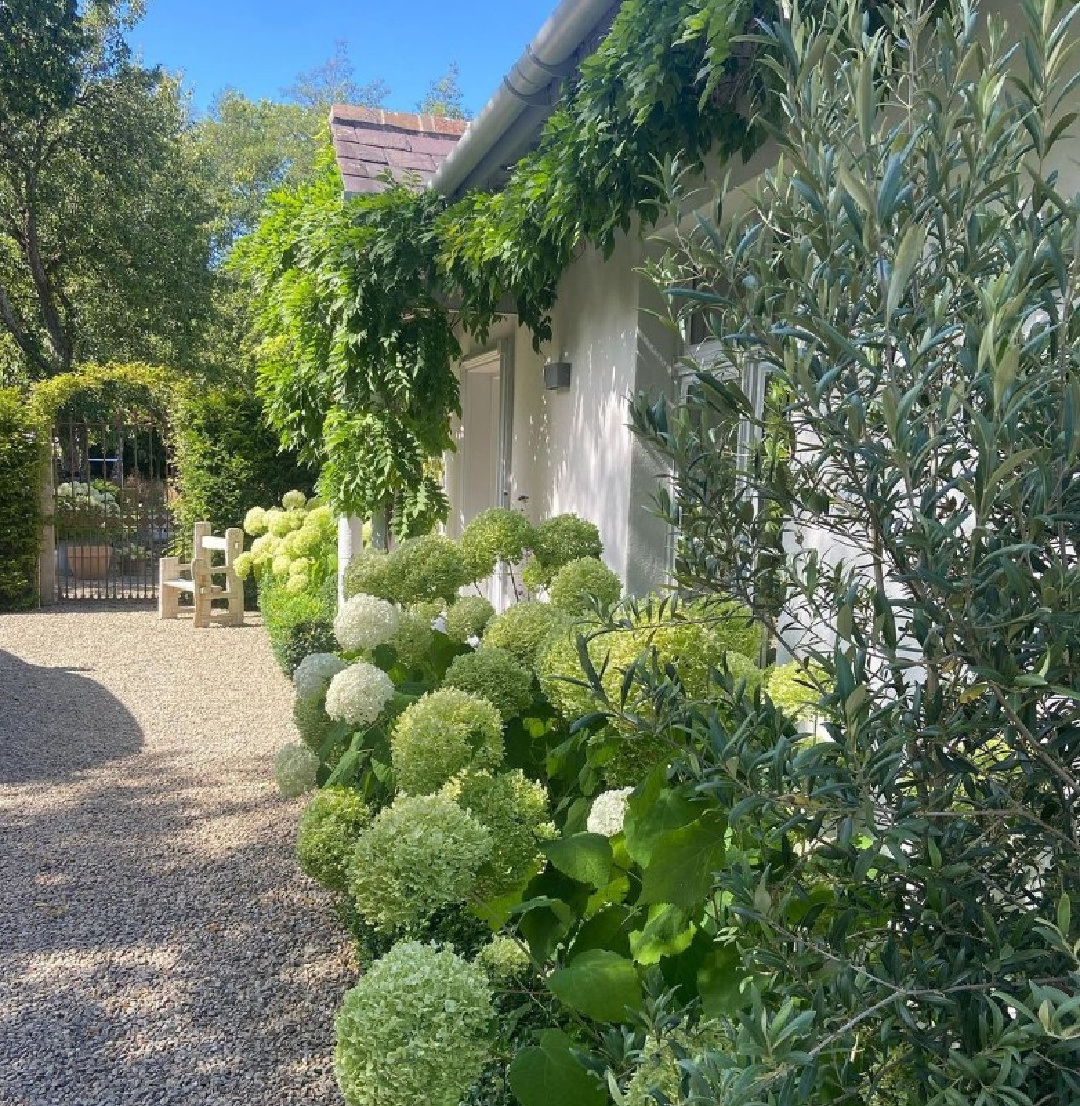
{"x": 369, "y": 141}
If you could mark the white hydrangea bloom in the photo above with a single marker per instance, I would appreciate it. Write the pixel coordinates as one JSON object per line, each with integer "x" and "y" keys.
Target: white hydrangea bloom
{"x": 315, "y": 671}
{"x": 294, "y": 768}
{"x": 608, "y": 812}
{"x": 358, "y": 694}
{"x": 294, "y": 500}
{"x": 255, "y": 522}
{"x": 363, "y": 622}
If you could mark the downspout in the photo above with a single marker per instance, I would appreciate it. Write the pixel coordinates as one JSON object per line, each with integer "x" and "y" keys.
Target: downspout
{"x": 527, "y": 89}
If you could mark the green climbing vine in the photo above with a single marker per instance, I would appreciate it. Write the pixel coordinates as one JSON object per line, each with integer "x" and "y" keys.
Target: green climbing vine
{"x": 358, "y": 304}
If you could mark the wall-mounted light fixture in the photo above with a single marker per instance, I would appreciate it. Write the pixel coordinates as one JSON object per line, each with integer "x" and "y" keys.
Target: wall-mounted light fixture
{"x": 557, "y": 374}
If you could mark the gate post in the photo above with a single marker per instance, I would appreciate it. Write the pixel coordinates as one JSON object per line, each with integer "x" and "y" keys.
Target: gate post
{"x": 47, "y": 554}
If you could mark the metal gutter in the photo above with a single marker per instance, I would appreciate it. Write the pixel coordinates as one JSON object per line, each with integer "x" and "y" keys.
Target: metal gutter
{"x": 503, "y": 130}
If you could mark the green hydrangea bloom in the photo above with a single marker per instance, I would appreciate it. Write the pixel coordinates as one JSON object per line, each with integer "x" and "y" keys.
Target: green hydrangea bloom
{"x": 311, "y": 720}
{"x": 294, "y": 769}
{"x": 576, "y": 586}
{"x": 243, "y": 565}
{"x": 468, "y": 617}
{"x": 279, "y": 566}
{"x": 329, "y": 829}
{"x": 429, "y": 609}
{"x": 414, "y": 639}
{"x": 559, "y": 540}
{"x": 497, "y": 534}
{"x": 515, "y": 810}
{"x": 416, "y": 1028}
{"x": 420, "y": 854}
{"x": 523, "y": 629}
{"x": 493, "y": 674}
{"x": 369, "y": 573}
{"x": 294, "y": 500}
{"x": 321, "y": 521}
{"x": 303, "y": 542}
{"x": 504, "y": 961}
{"x": 255, "y": 522}
{"x": 431, "y": 567}
{"x": 792, "y": 688}
{"x": 439, "y": 735}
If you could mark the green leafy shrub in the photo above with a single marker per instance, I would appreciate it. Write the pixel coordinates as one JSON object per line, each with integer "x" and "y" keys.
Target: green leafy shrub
{"x": 329, "y": 829}
{"x": 442, "y": 733}
{"x": 421, "y": 854}
{"x": 523, "y": 628}
{"x": 515, "y": 810}
{"x": 228, "y": 460}
{"x": 497, "y": 534}
{"x": 297, "y": 624}
{"x": 468, "y": 617}
{"x": 416, "y": 1028}
{"x": 493, "y": 674}
{"x": 312, "y": 722}
{"x": 792, "y": 688}
{"x": 556, "y": 542}
{"x": 23, "y": 466}
{"x": 582, "y": 584}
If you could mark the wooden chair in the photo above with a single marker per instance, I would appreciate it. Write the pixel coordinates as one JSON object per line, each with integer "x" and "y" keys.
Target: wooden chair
{"x": 198, "y": 579}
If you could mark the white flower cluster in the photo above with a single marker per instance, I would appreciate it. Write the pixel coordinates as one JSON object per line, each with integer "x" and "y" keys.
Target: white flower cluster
{"x": 314, "y": 673}
{"x": 608, "y": 812}
{"x": 294, "y": 769}
{"x": 357, "y": 694}
{"x": 363, "y": 622}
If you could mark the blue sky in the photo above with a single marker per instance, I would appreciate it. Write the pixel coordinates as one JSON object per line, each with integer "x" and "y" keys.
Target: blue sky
{"x": 258, "y": 46}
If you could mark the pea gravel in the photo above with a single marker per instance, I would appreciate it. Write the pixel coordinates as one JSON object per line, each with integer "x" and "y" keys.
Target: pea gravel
{"x": 158, "y": 944}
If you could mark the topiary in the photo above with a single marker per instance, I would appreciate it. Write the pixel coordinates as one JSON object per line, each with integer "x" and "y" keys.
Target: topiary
{"x": 493, "y": 674}
{"x": 439, "y": 735}
{"x": 467, "y": 618}
{"x": 515, "y": 810}
{"x": 522, "y": 630}
{"x": 497, "y": 534}
{"x": 559, "y": 540}
{"x": 420, "y": 854}
{"x": 417, "y": 1027}
{"x": 584, "y": 584}
{"x": 328, "y": 831}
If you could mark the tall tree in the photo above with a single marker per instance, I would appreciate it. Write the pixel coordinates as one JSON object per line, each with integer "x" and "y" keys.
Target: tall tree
{"x": 444, "y": 96}
{"x": 103, "y": 227}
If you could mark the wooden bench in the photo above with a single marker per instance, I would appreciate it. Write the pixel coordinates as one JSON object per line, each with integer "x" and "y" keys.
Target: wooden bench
{"x": 198, "y": 579}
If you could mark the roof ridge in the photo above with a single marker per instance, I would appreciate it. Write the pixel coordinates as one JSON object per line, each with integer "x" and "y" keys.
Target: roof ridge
{"x": 400, "y": 120}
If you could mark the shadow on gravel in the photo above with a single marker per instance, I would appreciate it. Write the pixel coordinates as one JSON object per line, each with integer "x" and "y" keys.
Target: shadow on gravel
{"x": 55, "y": 723}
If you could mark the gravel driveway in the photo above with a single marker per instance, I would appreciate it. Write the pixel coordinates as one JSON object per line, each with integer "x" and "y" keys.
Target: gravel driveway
{"x": 157, "y": 943}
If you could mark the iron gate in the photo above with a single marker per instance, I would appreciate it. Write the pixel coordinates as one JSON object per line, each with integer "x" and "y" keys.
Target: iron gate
{"x": 112, "y": 508}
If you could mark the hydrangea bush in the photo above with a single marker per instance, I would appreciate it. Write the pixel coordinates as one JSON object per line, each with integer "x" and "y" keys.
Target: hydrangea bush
{"x": 442, "y": 733}
{"x": 584, "y": 584}
{"x": 420, "y": 854}
{"x": 413, "y": 640}
{"x": 358, "y": 694}
{"x": 329, "y": 829}
{"x": 493, "y": 674}
{"x": 497, "y": 534}
{"x": 556, "y": 542}
{"x": 295, "y": 767}
{"x": 416, "y": 1028}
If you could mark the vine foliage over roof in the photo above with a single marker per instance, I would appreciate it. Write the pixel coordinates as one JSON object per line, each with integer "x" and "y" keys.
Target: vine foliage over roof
{"x": 357, "y": 343}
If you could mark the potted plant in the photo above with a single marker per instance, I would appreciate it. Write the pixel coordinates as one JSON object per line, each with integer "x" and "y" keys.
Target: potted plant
{"x": 84, "y": 514}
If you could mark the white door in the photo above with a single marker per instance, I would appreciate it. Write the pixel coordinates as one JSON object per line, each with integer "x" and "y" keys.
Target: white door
{"x": 482, "y": 464}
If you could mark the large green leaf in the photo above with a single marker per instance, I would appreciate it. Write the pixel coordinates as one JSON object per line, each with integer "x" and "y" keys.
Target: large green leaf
{"x": 655, "y": 811}
{"x": 585, "y": 857}
{"x": 599, "y": 983}
{"x": 668, "y": 931}
{"x": 682, "y": 863}
{"x": 549, "y": 1075}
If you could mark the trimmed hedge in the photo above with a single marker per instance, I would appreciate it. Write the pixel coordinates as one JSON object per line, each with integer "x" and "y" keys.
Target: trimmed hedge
{"x": 22, "y": 460}
{"x": 229, "y": 461}
{"x": 298, "y": 624}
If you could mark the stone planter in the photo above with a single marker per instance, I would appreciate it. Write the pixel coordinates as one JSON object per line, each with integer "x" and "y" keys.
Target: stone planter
{"x": 87, "y": 562}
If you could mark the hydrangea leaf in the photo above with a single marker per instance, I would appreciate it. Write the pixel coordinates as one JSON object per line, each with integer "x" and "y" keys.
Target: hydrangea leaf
{"x": 548, "y": 1074}
{"x": 585, "y": 857}
{"x": 668, "y": 931}
{"x": 682, "y": 863}
{"x": 599, "y": 984}
{"x": 653, "y": 811}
